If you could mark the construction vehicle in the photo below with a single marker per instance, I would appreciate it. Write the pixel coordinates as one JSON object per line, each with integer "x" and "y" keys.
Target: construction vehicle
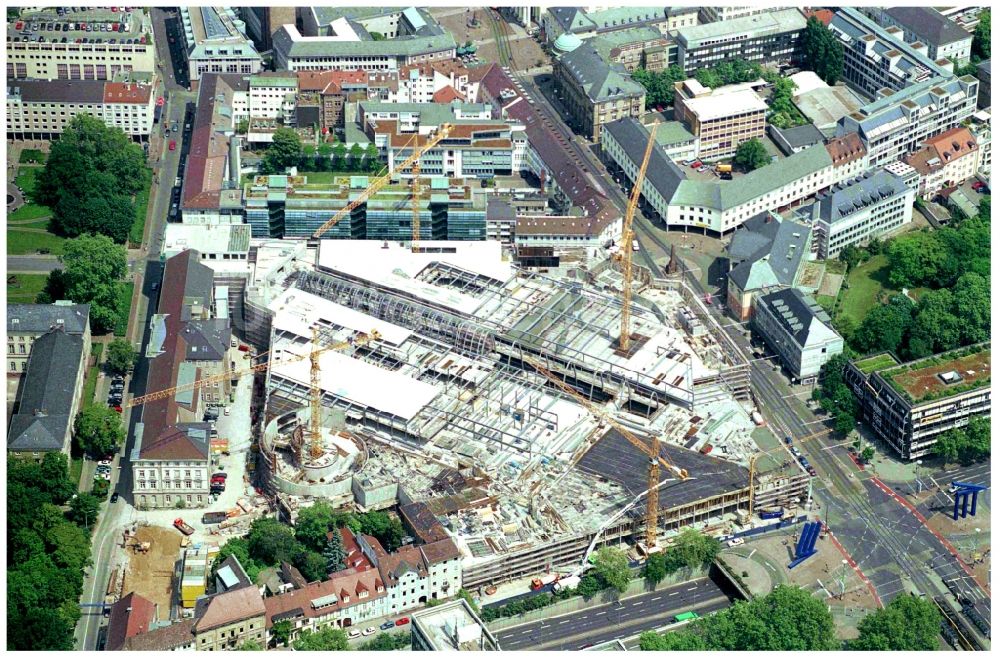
{"x": 628, "y": 238}
{"x": 183, "y": 527}
{"x": 359, "y": 339}
{"x": 214, "y": 517}
{"x": 443, "y": 131}
{"x": 652, "y": 450}
{"x": 724, "y": 168}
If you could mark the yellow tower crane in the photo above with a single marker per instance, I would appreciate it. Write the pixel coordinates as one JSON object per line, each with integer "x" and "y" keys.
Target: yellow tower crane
{"x": 443, "y": 131}
{"x": 359, "y": 339}
{"x": 652, "y": 450}
{"x": 415, "y": 206}
{"x": 625, "y": 253}
{"x": 315, "y": 400}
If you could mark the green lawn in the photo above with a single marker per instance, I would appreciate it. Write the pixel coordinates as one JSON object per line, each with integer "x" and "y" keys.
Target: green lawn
{"x": 124, "y": 304}
{"x": 864, "y": 284}
{"x": 30, "y": 212}
{"x": 25, "y": 179}
{"x": 90, "y": 385}
{"x": 875, "y": 362}
{"x": 27, "y": 288}
{"x": 32, "y": 155}
{"x": 827, "y": 303}
{"x": 75, "y": 469}
{"x": 32, "y": 224}
{"x": 835, "y": 266}
{"x": 328, "y": 177}
{"x": 30, "y": 242}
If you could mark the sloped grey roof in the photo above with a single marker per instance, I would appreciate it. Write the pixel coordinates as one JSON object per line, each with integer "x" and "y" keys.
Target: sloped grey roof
{"x": 928, "y": 25}
{"x": 798, "y": 314}
{"x": 799, "y": 136}
{"x": 777, "y": 261}
{"x": 847, "y": 198}
{"x": 41, "y": 318}
{"x": 598, "y": 79}
{"x": 662, "y": 173}
{"x": 206, "y": 339}
{"x": 43, "y": 417}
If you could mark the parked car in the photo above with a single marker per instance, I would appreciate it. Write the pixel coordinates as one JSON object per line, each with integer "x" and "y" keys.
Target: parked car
{"x": 703, "y": 168}
{"x": 220, "y": 475}
{"x": 114, "y": 497}
{"x": 225, "y": 411}
{"x": 387, "y": 625}
{"x": 173, "y": 145}
{"x": 732, "y": 543}
{"x": 403, "y": 621}
{"x": 696, "y": 164}
{"x": 354, "y": 633}
{"x": 370, "y": 630}
{"x": 104, "y": 462}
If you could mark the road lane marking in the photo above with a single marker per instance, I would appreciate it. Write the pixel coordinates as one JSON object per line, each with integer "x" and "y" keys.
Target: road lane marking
{"x": 674, "y": 593}
{"x": 657, "y": 598}
{"x": 692, "y": 588}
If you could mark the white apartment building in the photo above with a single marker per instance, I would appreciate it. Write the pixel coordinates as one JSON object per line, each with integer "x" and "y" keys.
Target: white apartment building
{"x": 717, "y": 14}
{"x": 943, "y": 38}
{"x": 295, "y": 52}
{"x": 980, "y": 128}
{"x": 172, "y": 467}
{"x": 271, "y": 95}
{"x": 35, "y": 52}
{"x": 28, "y": 322}
{"x": 853, "y": 212}
{"x": 946, "y": 160}
{"x": 41, "y": 109}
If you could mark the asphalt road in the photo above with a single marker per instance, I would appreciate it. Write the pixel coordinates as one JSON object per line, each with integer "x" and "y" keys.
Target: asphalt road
{"x": 626, "y": 618}
{"x": 36, "y": 263}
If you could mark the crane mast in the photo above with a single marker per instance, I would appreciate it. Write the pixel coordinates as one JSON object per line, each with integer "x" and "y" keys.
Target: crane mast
{"x": 652, "y": 450}
{"x": 415, "y": 206}
{"x": 381, "y": 182}
{"x": 315, "y": 400}
{"x": 626, "y": 243}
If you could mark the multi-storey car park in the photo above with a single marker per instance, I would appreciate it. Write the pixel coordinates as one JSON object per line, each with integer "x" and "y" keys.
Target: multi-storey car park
{"x": 89, "y": 44}
{"x": 910, "y": 404}
{"x": 444, "y": 407}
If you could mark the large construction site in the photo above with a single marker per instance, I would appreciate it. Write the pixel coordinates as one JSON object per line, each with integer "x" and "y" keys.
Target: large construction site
{"x": 501, "y": 401}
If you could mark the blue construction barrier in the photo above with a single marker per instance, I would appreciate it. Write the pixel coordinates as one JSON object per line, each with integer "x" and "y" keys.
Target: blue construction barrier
{"x": 765, "y": 528}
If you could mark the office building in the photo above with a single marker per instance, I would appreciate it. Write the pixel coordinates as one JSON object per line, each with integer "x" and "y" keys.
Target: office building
{"x": 216, "y": 42}
{"x": 720, "y": 14}
{"x": 596, "y": 92}
{"x": 909, "y": 405}
{"x": 262, "y": 22}
{"x": 896, "y": 125}
{"x": 41, "y": 109}
{"x": 769, "y": 37}
{"x": 89, "y": 44}
{"x": 854, "y": 212}
{"x": 945, "y": 161}
{"x": 723, "y": 118}
{"x": 879, "y": 61}
{"x": 342, "y": 38}
{"x": 557, "y": 21}
{"x": 290, "y": 206}
{"x": 28, "y": 322}
{"x": 942, "y": 37}
{"x": 797, "y": 329}
{"x": 50, "y": 396}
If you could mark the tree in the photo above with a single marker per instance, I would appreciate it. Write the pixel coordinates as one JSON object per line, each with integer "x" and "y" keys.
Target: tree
{"x": 835, "y": 396}
{"x": 243, "y": 126}
{"x": 680, "y": 640}
{"x": 972, "y": 307}
{"x": 915, "y": 259}
{"x": 935, "y": 328}
{"x": 947, "y": 445}
{"x": 335, "y": 553}
{"x": 94, "y": 268}
{"x": 89, "y": 179}
{"x": 239, "y": 547}
{"x": 908, "y": 623}
{"x": 271, "y": 542}
{"x": 377, "y": 36}
{"x": 340, "y": 157}
{"x": 981, "y": 37}
{"x": 852, "y": 256}
{"x": 611, "y": 565}
{"x": 387, "y": 529}
{"x": 313, "y": 523}
{"x": 122, "y": 356}
{"x": 822, "y": 52}
{"x": 312, "y": 565}
{"x": 751, "y": 155}
{"x": 783, "y": 112}
{"x": 249, "y": 645}
{"x": 284, "y": 152}
{"x": 98, "y": 430}
{"x": 371, "y": 158}
{"x": 357, "y": 156}
{"x": 655, "y": 568}
{"x": 387, "y": 642}
{"x": 465, "y": 595}
{"x": 325, "y": 639}
{"x": 692, "y": 549}
{"x": 884, "y": 326}
{"x": 282, "y": 631}
{"x": 83, "y": 509}
{"x": 867, "y": 454}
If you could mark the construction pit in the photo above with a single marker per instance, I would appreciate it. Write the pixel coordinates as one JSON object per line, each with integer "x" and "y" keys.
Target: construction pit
{"x": 150, "y": 556}
{"x": 450, "y": 406}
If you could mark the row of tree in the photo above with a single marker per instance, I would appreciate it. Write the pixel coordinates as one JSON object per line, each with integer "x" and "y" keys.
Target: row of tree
{"x": 313, "y": 546}
{"x": 94, "y": 268}
{"x": 791, "y": 619}
{"x": 660, "y": 84}
{"x": 822, "y": 52}
{"x": 286, "y": 150}
{"x": 47, "y": 553}
{"x": 691, "y": 549}
{"x": 90, "y": 179}
{"x": 966, "y": 445}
